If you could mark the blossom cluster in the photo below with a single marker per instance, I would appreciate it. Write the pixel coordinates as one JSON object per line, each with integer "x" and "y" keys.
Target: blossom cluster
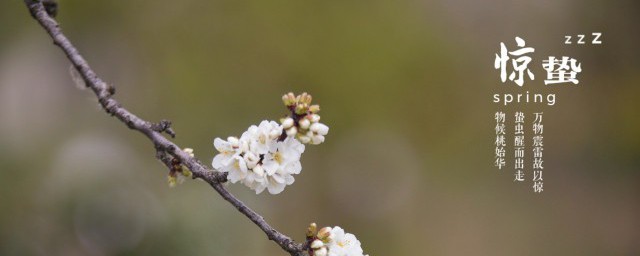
{"x": 333, "y": 242}
{"x": 267, "y": 156}
{"x": 258, "y": 159}
{"x": 304, "y": 122}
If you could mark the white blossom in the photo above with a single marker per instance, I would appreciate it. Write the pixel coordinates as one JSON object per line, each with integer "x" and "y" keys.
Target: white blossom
{"x": 285, "y": 155}
{"x": 281, "y": 163}
{"x": 262, "y": 137}
{"x": 237, "y": 169}
{"x": 227, "y": 153}
{"x": 343, "y": 244}
{"x": 255, "y": 180}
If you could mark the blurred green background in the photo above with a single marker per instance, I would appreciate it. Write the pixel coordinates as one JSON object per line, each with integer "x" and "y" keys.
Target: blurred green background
{"x": 406, "y": 87}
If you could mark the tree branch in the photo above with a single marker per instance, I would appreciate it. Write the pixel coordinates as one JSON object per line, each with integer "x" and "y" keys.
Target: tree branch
{"x": 166, "y": 150}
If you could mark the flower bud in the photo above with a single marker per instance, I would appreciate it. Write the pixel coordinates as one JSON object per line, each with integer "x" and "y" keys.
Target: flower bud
{"x": 186, "y": 172}
{"x": 304, "y": 139}
{"x": 287, "y": 123}
{"x": 314, "y": 118}
{"x": 189, "y": 151}
{"x": 259, "y": 170}
{"x": 172, "y": 181}
{"x": 292, "y": 131}
{"x": 305, "y": 98}
{"x": 301, "y": 108}
{"x": 304, "y": 123}
{"x": 274, "y": 134}
{"x": 320, "y": 252}
{"x": 289, "y": 99}
{"x": 316, "y": 244}
{"x": 324, "y": 233}
{"x": 314, "y": 108}
{"x": 311, "y": 231}
{"x": 317, "y": 139}
{"x": 319, "y": 128}
{"x": 251, "y": 159}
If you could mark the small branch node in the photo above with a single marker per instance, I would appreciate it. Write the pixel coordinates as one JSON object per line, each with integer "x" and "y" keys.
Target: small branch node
{"x": 163, "y": 126}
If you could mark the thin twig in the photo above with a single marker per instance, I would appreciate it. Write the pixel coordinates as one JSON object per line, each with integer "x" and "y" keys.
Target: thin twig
{"x": 164, "y": 147}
